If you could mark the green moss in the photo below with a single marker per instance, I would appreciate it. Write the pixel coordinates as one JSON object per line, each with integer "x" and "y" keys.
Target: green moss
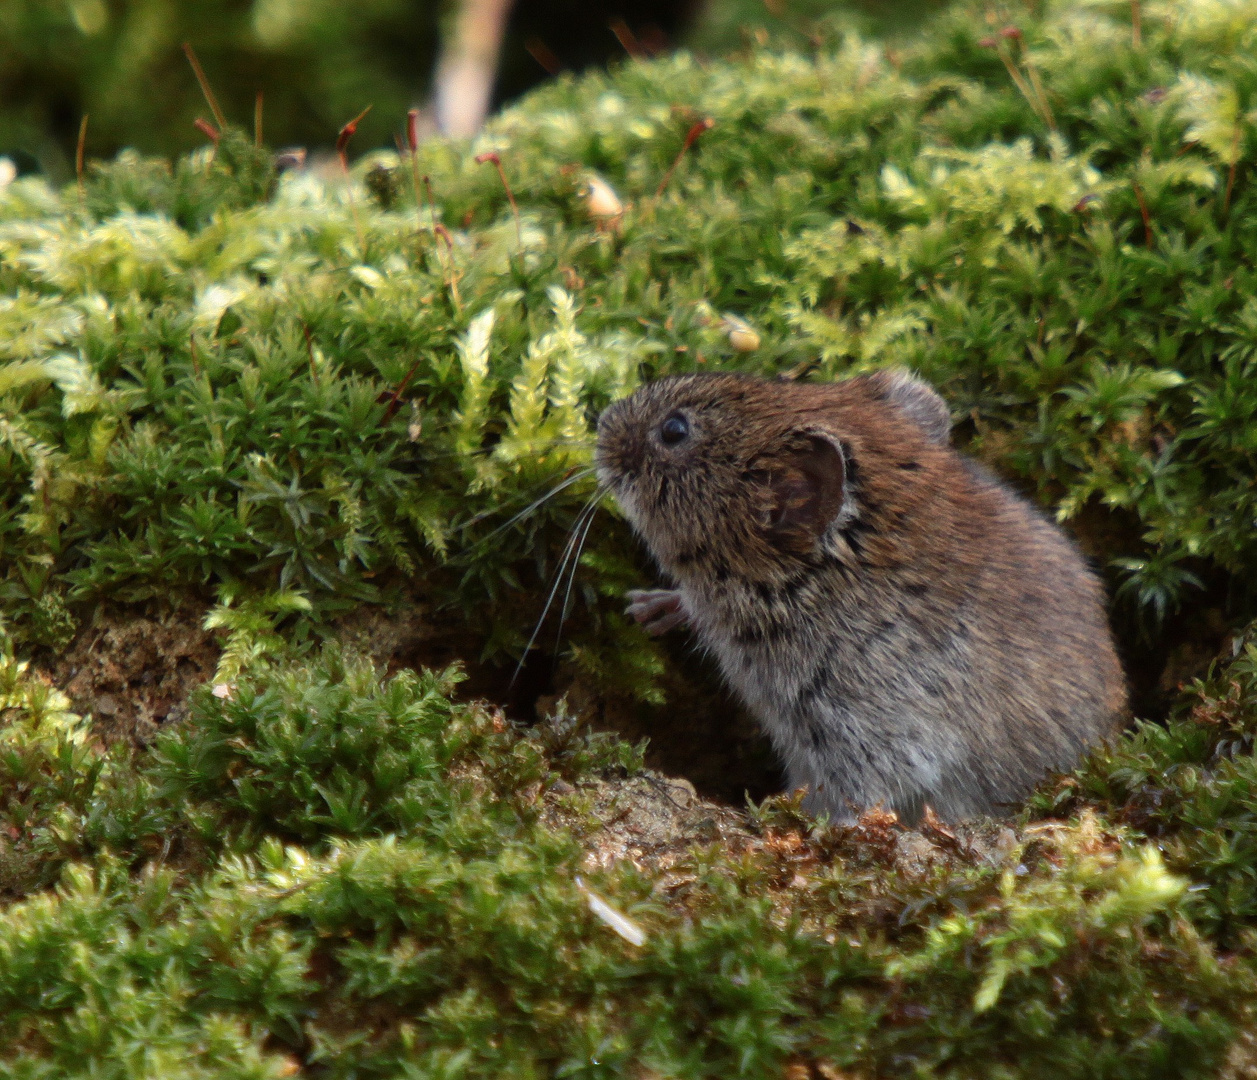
{"x": 430, "y": 921}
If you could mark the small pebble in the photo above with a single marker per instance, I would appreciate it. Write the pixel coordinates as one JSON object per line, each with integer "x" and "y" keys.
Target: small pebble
{"x": 600, "y": 200}
{"x": 741, "y": 334}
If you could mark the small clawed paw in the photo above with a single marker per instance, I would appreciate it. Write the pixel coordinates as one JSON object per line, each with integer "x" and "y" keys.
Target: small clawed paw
{"x": 658, "y": 610}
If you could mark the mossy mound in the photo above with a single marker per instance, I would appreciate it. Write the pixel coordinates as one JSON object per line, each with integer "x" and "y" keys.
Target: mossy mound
{"x": 321, "y": 871}
{"x": 292, "y": 400}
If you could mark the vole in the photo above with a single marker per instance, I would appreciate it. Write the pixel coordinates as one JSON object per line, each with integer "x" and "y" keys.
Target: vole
{"x": 908, "y": 630}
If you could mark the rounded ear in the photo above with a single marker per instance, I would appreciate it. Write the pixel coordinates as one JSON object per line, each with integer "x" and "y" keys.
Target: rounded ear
{"x": 806, "y": 484}
{"x": 916, "y": 398}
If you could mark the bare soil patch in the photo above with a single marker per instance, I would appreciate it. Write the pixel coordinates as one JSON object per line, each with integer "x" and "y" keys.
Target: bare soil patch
{"x": 134, "y": 671}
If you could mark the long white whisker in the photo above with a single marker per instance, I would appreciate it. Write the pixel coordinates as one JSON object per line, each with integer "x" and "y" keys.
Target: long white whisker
{"x": 589, "y": 509}
{"x": 563, "y": 485}
{"x": 571, "y": 578}
{"x": 536, "y": 504}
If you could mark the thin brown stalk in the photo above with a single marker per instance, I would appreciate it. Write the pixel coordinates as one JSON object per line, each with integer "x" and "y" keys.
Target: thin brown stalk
{"x": 412, "y": 130}
{"x": 706, "y": 124}
{"x": 1136, "y": 25}
{"x": 1032, "y": 91}
{"x": 452, "y": 279}
{"x": 412, "y": 144}
{"x": 544, "y": 55}
{"x": 1143, "y": 212}
{"x": 482, "y": 159}
{"x": 1016, "y": 77}
{"x": 342, "y": 147}
{"x": 1045, "y": 110}
{"x": 78, "y": 155}
{"x": 625, "y": 36}
{"x": 207, "y": 129}
{"x": 427, "y": 185}
{"x": 395, "y": 396}
{"x": 1026, "y": 90}
{"x": 1230, "y": 175}
{"x": 257, "y": 120}
{"x": 447, "y": 268}
{"x": 199, "y": 72}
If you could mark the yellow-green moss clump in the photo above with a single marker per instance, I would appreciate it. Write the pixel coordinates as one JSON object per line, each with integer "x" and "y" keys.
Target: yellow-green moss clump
{"x": 291, "y": 398}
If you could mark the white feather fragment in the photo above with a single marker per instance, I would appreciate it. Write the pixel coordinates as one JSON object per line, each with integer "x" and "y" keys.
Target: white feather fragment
{"x": 618, "y": 921}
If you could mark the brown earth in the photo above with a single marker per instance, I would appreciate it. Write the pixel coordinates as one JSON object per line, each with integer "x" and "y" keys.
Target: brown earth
{"x": 134, "y": 671}
{"x": 656, "y": 823}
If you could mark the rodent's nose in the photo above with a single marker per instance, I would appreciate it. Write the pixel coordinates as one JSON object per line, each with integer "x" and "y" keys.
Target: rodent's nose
{"x": 620, "y": 447}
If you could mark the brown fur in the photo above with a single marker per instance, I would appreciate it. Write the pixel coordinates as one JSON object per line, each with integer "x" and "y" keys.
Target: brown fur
{"x": 908, "y": 630}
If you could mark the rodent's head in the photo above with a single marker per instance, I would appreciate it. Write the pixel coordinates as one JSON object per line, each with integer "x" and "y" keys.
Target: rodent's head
{"x": 729, "y": 474}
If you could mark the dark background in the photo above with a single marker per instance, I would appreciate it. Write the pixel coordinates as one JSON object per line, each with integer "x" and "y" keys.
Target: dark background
{"x": 319, "y": 62}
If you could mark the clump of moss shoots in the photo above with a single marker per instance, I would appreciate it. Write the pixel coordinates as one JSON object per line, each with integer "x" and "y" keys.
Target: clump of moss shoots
{"x": 290, "y": 398}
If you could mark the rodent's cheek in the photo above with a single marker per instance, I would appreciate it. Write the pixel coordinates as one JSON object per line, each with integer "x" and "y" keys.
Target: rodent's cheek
{"x": 627, "y": 502}
{"x": 645, "y": 524}
{"x": 607, "y": 476}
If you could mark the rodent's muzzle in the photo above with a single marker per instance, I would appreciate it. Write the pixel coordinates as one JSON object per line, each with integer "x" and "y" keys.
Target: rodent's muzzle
{"x": 621, "y": 447}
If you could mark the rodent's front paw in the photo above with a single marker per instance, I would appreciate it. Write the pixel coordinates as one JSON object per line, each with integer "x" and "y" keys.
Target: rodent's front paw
{"x": 658, "y": 610}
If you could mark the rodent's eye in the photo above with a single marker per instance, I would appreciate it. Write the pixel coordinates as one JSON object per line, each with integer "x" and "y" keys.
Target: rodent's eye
{"x": 674, "y": 429}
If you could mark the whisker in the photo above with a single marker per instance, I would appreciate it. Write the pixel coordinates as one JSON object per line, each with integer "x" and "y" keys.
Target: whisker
{"x": 589, "y": 510}
{"x": 429, "y": 454}
{"x": 536, "y": 504}
{"x": 595, "y": 502}
{"x": 425, "y": 448}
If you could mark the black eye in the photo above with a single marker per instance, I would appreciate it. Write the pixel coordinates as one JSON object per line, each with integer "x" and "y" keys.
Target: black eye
{"x": 674, "y": 429}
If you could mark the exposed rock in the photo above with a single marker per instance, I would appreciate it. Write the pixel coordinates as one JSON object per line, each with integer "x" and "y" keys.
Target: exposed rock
{"x": 649, "y": 820}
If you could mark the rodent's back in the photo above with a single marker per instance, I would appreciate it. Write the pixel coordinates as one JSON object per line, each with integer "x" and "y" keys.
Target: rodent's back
{"x": 906, "y": 627}
{"x": 1027, "y": 617}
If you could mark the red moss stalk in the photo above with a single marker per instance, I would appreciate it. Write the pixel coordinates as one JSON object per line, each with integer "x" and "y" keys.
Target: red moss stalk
{"x": 208, "y": 130}
{"x": 482, "y": 159}
{"x": 706, "y": 124}
{"x": 452, "y": 279}
{"x": 342, "y": 146}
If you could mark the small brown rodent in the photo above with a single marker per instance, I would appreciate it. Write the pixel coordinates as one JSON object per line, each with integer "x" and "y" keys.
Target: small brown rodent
{"x": 909, "y": 630}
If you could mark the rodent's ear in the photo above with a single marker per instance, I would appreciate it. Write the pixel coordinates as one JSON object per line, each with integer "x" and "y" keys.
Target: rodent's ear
{"x": 805, "y": 486}
{"x": 918, "y": 399}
